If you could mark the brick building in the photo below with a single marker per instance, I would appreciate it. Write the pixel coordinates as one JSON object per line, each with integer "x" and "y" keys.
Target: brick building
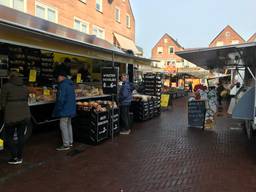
{"x": 228, "y": 36}
{"x": 164, "y": 51}
{"x": 252, "y": 38}
{"x": 107, "y": 19}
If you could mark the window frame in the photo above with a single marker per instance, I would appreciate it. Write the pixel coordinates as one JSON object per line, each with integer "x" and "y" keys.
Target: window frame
{"x": 235, "y": 42}
{"x": 173, "y": 50}
{"x": 101, "y": 6}
{"x": 158, "y": 52}
{"x": 118, "y": 20}
{"x": 219, "y": 43}
{"x": 227, "y": 34}
{"x": 11, "y": 5}
{"x": 99, "y": 28}
{"x": 81, "y": 23}
{"x": 128, "y": 25}
{"x": 46, "y": 7}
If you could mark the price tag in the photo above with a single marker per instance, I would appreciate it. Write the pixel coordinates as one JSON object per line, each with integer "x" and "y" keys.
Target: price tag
{"x": 78, "y": 78}
{"x": 1, "y": 144}
{"x": 47, "y": 92}
{"x": 165, "y": 100}
{"x": 32, "y": 75}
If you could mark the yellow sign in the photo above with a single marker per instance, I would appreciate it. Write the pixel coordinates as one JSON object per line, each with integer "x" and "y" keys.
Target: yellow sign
{"x": 32, "y": 75}
{"x": 165, "y": 100}
{"x": 47, "y": 92}
{"x": 1, "y": 144}
{"x": 78, "y": 78}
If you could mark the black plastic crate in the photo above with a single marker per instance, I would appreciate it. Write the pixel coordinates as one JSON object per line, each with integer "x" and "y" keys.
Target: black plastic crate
{"x": 114, "y": 120}
{"x": 99, "y": 133}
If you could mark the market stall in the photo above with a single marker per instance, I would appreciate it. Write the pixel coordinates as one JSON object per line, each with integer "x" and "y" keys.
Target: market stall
{"x": 43, "y": 48}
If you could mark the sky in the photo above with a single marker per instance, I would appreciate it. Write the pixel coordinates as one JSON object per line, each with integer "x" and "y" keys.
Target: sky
{"x": 194, "y": 23}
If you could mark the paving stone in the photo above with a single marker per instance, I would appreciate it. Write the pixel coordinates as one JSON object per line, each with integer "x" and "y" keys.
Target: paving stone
{"x": 161, "y": 155}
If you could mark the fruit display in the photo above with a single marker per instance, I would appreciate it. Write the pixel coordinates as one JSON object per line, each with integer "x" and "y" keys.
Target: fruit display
{"x": 97, "y": 106}
{"x": 40, "y": 94}
{"x": 88, "y": 91}
{"x": 95, "y": 121}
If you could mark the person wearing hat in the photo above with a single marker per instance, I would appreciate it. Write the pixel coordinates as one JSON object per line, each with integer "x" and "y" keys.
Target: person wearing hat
{"x": 65, "y": 109}
{"x": 14, "y": 103}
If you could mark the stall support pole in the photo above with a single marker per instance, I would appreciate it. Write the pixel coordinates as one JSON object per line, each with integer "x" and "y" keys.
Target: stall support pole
{"x": 113, "y": 100}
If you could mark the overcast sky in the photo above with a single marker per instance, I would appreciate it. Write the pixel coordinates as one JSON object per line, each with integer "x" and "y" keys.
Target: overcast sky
{"x": 194, "y": 23}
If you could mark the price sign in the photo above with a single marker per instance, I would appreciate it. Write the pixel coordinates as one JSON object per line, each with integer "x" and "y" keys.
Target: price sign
{"x": 47, "y": 92}
{"x": 196, "y": 114}
{"x": 78, "y": 78}
{"x": 109, "y": 80}
{"x": 32, "y": 75}
{"x": 1, "y": 144}
{"x": 165, "y": 100}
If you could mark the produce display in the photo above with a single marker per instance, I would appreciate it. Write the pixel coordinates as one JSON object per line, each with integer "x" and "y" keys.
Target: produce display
{"x": 41, "y": 94}
{"x": 94, "y": 120}
{"x": 97, "y": 106}
{"x": 87, "y": 91}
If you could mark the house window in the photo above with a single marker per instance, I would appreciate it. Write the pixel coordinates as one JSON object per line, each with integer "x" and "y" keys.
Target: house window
{"x": 46, "y": 12}
{"x": 128, "y": 21}
{"x": 118, "y": 15}
{"x": 227, "y": 34}
{"x": 99, "y": 6}
{"x": 160, "y": 50}
{"x": 171, "y": 49}
{"x": 20, "y": 5}
{"x": 99, "y": 32}
{"x": 165, "y": 40}
{"x": 219, "y": 43}
{"x": 235, "y": 42}
{"x": 81, "y": 25}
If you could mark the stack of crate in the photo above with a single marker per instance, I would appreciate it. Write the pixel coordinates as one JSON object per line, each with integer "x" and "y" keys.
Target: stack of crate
{"x": 140, "y": 110}
{"x": 152, "y": 86}
{"x": 91, "y": 126}
{"x": 114, "y": 120}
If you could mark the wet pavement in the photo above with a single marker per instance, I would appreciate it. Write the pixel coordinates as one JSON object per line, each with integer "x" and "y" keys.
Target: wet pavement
{"x": 161, "y": 155}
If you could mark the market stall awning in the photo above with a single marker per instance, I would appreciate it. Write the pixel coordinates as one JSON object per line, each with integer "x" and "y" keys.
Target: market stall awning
{"x": 126, "y": 44}
{"x": 25, "y": 30}
{"x": 220, "y": 57}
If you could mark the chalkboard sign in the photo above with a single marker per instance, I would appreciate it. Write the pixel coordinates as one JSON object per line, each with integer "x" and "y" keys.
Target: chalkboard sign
{"x": 109, "y": 80}
{"x": 196, "y": 114}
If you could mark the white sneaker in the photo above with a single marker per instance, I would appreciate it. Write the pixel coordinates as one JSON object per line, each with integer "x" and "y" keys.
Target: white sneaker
{"x": 125, "y": 132}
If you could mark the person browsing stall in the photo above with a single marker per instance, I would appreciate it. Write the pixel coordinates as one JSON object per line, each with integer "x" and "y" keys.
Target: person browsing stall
{"x": 14, "y": 103}
{"x": 65, "y": 109}
{"x": 125, "y": 99}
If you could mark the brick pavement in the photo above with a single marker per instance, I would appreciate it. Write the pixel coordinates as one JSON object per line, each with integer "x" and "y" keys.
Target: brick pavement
{"x": 161, "y": 155}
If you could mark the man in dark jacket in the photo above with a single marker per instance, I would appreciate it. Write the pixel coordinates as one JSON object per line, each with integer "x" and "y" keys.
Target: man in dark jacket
{"x": 220, "y": 88}
{"x": 14, "y": 103}
{"x": 65, "y": 109}
{"x": 125, "y": 99}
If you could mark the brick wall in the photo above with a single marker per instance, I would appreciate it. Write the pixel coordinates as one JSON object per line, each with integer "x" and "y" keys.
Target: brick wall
{"x": 228, "y": 36}
{"x": 166, "y": 41}
{"x": 68, "y": 9}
